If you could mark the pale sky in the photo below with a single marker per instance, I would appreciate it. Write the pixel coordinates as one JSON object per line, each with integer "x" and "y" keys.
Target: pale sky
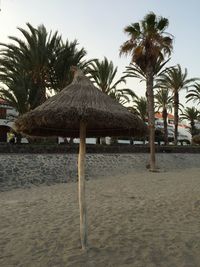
{"x": 98, "y": 26}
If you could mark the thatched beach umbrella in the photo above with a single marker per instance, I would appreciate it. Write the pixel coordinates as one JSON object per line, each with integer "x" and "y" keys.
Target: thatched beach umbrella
{"x": 80, "y": 110}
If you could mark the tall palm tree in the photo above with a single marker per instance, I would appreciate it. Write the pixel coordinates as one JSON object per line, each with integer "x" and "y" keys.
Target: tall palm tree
{"x": 163, "y": 101}
{"x": 134, "y": 71}
{"x": 147, "y": 44}
{"x": 175, "y": 79}
{"x": 194, "y": 94}
{"x": 191, "y": 114}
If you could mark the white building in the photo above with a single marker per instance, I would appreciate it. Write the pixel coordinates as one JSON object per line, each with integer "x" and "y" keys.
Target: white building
{"x": 7, "y": 116}
{"x": 183, "y": 128}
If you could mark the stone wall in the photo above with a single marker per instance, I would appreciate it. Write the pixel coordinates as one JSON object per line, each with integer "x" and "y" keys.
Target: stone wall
{"x": 24, "y": 170}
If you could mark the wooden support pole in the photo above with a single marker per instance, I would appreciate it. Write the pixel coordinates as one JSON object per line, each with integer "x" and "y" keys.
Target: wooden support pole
{"x": 81, "y": 186}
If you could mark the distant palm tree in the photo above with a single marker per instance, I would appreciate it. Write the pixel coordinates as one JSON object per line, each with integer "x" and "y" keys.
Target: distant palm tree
{"x": 191, "y": 114}
{"x": 194, "y": 94}
{"x": 175, "y": 79}
{"x": 122, "y": 95}
{"x": 140, "y": 107}
{"x": 103, "y": 74}
{"x": 163, "y": 102}
{"x": 148, "y": 43}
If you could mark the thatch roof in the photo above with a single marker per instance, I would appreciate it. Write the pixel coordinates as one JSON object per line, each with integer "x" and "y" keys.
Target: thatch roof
{"x": 61, "y": 114}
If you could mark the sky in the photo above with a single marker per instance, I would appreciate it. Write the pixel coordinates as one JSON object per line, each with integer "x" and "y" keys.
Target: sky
{"x": 98, "y": 26}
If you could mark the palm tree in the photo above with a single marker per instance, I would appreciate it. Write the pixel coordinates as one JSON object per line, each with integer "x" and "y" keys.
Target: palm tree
{"x": 163, "y": 101}
{"x": 191, "y": 114}
{"x": 31, "y": 57}
{"x": 103, "y": 73}
{"x": 134, "y": 71}
{"x": 67, "y": 55}
{"x": 29, "y": 67}
{"x": 140, "y": 108}
{"x": 175, "y": 79}
{"x": 148, "y": 43}
{"x": 122, "y": 95}
{"x": 37, "y": 52}
{"x": 194, "y": 94}
{"x": 18, "y": 93}
{"x": 17, "y": 88}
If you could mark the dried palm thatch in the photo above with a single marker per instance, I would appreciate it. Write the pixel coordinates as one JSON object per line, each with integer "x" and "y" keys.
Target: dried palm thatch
{"x": 80, "y": 110}
{"x": 61, "y": 114}
{"x": 196, "y": 139}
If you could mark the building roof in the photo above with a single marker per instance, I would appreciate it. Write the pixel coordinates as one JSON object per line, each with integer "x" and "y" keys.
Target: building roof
{"x": 3, "y": 102}
{"x": 158, "y": 115}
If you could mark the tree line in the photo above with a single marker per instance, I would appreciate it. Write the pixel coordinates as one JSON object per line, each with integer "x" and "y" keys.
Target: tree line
{"x": 38, "y": 65}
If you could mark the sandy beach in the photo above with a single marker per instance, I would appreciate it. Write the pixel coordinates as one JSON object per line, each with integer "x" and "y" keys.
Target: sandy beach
{"x": 139, "y": 219}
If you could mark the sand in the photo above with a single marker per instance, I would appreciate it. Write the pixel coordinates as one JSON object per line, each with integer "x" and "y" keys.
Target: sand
{"x": 141, "y": 219}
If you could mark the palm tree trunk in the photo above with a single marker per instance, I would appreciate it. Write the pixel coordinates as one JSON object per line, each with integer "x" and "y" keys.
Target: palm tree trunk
{"x": 164, "y": 115}
{"x": 42, "y": 95}
{"x": 71, "y": 141}
{"x": 98, "y": 140}
{"x": 176, "y": 105}
{"x": 131, "y": 141}
{"x": 18, "y": 138}
{"x": 192, "y": 123}
{"x": 151, "y": 117}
